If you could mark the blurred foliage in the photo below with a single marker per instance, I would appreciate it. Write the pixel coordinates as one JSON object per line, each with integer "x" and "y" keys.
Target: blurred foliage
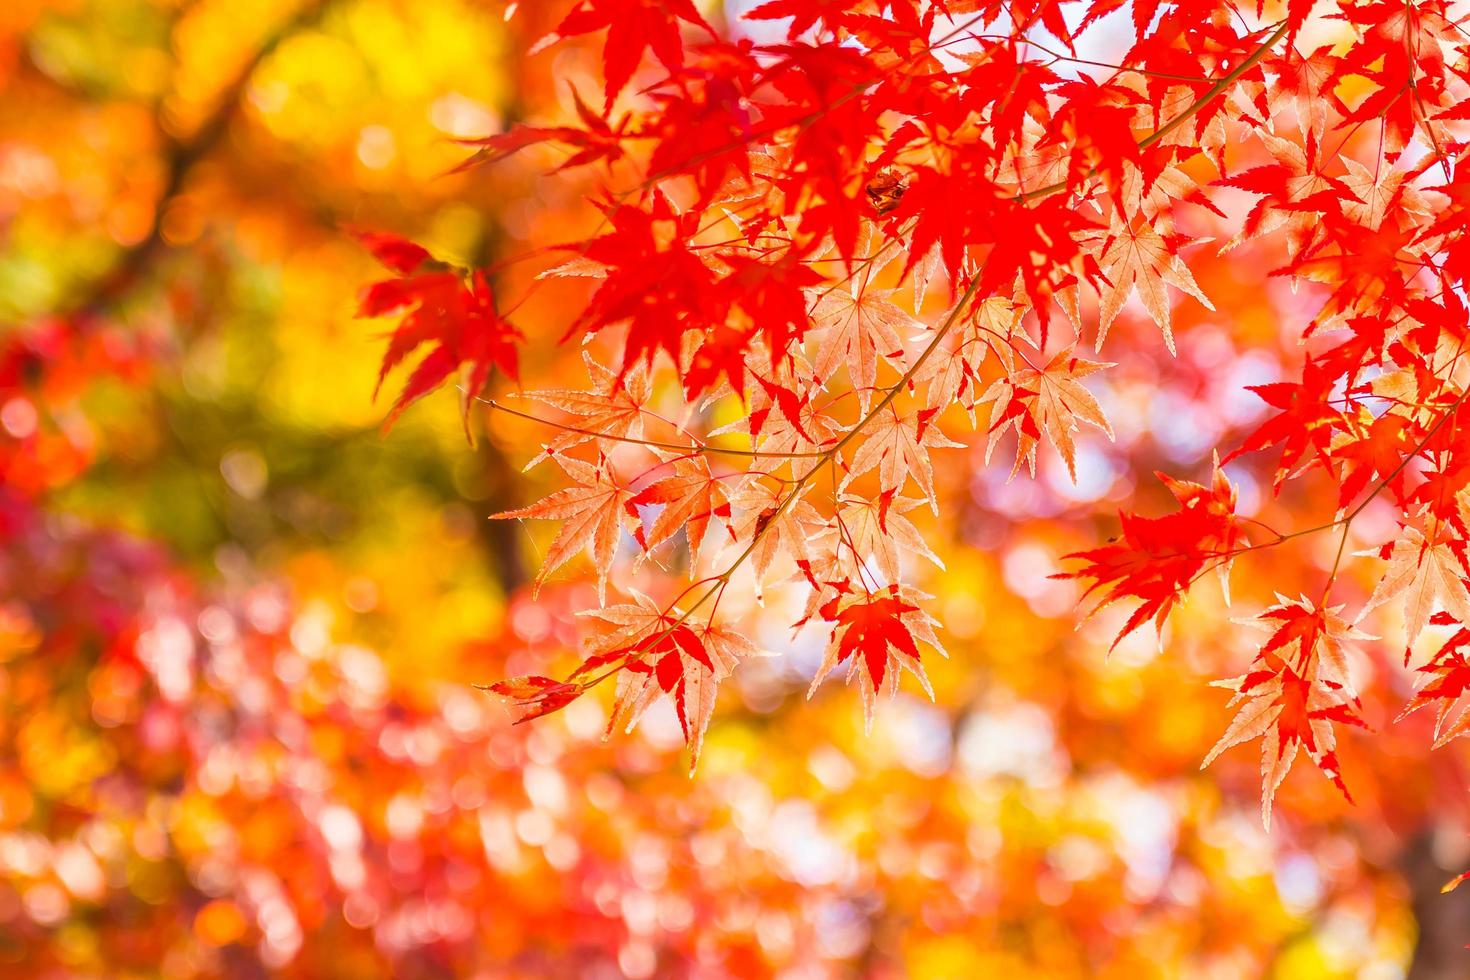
{"x": 238, "y": 623}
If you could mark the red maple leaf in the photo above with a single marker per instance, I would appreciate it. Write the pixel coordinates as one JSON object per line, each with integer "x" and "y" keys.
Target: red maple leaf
{"x": 453, "y": 316}
{"x": 597, "y": 141}
{"x": 633, "y": 27}
{"x": 536, "y": 696}
{"x": 1157, "y": 559}
{"x": 1288, "y": 711}
{"x": 869, "y": 629}
{"x": 1447, "y": 680}
{"x": 876, "y": 635}
{"x": 654, "y": 284}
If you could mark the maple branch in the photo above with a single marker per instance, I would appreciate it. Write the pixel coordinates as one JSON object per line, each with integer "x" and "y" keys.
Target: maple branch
{"x": 699, "y": 445}
{"x": 1205, "y": 99}
{"x": 182, "y": 157}
{"x": 748, "y": 138}
{"x": 1179, "y": 120}
{"x": 1346, "y": 520}
{"x": 722, "y": 579}
{"x": 1071, "y": 59}
{"x": 1336, "y": 562}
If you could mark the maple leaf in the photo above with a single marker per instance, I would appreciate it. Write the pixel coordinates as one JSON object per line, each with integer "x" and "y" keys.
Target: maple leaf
{"x": 876, "y": 529}
{"x": 692, "y": 498}
{"x": 1018, "y": 89}
{"x": 1288, "y": 712}
{"x": 1374, "y": 194}
{"x": 1095, "y": 124}
{"x": 596, "y": 511}
{"x": 1379, "y": 453}
{"x": 455, "y": 318}
{"x": 633, "y": 27}
{"x": 598, "y": 141}
{"x": 1136, "y": 258}
{"x": 1423, "y": 567}
{"x": 926, "y": 269}
{"x": 398, "y": 254}
{"x": 612, "y": 410}
{"x": 771, "y": 295}
{"x": 783, "y": 525}
{"x": 1294, "y": 193}
{"x": 1447, "y": 678}
{"x": 535, "y": 696}
{"x": 804, "y": 14}
{"x": 877, "y": 635}
{"x": 663, "y": 652}
{"x": 1303, "y": 425}
{"x": 708, "y": 129}
{"x": 1051, "y": 401}
{"x": 1366, "y": 275}
{"x": 653, "y": 282}
{"x": 857, "y": 327}
{"x": 1157, "y": 559}
{"x": 1306, "y": 83}
{"x": 828, "y": 570}
{"x": 783, "y": 418}
{"x": 897, "y": 446}
{"x": 1310, "y": 638}
{"x": 1037, "y": 242}
{"x": 953, "y": 372}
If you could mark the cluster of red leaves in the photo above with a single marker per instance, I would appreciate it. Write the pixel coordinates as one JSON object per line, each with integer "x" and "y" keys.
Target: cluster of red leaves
{"x": 778, "y": 200}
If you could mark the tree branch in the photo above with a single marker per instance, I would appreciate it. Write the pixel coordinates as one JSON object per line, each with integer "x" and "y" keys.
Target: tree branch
{"x": 181, "y": 157}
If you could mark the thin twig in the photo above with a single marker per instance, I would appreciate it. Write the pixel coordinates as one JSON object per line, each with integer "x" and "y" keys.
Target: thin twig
{"x": 180, "y": 159}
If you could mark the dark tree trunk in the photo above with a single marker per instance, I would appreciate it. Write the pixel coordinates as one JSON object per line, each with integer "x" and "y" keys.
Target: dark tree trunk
{"x": 1443, "y": 919}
